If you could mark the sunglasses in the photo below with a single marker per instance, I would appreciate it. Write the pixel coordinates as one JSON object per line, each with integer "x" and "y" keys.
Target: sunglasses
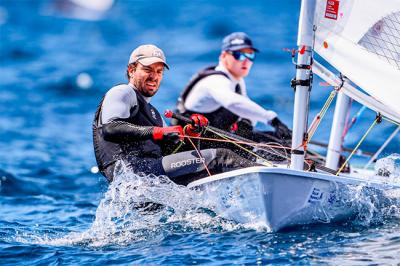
{"x": 242, "y": 56}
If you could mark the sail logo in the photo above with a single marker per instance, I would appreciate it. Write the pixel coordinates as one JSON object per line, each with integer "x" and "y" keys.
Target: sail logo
{"x": 316, "y": 195}
{"x": 332, "y": 9}
{"x": 187, "y": 162}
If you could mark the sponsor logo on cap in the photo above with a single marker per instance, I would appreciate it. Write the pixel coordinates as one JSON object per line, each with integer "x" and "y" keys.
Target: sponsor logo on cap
{"x": 237, "y": 41}
{"x": 156, "y": 54}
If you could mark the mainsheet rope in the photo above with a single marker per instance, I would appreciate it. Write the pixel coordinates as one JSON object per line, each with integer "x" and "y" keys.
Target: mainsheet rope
{"x": 243, "y": 148}
{"x": 198, "y": 153}
{"x": 253, "y": 144}
{"x": 256, "y": 145}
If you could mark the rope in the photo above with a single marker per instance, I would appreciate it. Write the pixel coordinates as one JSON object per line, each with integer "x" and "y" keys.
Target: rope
{"x": 179, "y": 146}
{"x": 198, "y": 153}
{"x": 261, "y": 146}
{"x": 253, "y": 144}
{"x": 317, "y": 120}
{"x": 321, "y": 114}
{"x": 243, "y": 148}
{"x": 391, "y": 121}
{"x": 358, "y": 145}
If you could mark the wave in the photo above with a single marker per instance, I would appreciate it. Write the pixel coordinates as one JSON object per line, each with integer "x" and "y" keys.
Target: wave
{"x": 138, "y": 207}
{"x": 11, "y": 185}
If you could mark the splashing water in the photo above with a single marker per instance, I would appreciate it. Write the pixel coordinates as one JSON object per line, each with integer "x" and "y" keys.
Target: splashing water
{"x": 138, "y": 207}
{"x": 376, "y": 206}
{"x": 389, "y": 167}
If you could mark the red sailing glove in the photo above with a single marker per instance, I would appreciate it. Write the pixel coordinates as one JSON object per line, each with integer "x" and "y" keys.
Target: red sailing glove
{"x": 172, "y": 134}
{"x": 199, "y": 123}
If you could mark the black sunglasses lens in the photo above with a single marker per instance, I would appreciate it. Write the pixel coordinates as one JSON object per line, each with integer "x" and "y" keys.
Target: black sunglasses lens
{"x": 236, "y": 55}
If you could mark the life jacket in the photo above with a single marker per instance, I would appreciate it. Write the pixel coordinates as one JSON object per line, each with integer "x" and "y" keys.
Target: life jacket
{"x": 107, "y": 152}
{"x": 222, "y": 117}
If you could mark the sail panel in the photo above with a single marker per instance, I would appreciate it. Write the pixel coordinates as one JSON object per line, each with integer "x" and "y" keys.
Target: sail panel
{"x": 355, "y": 94}
{"x": 361, "y": 39}
{"x": 383, "y": 39}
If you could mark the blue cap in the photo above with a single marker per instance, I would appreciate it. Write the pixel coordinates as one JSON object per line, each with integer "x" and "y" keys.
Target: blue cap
{"x": 237, "y": 41}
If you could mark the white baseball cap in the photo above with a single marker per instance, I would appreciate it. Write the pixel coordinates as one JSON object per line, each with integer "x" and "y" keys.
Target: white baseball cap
{"x": 148, "y": 54}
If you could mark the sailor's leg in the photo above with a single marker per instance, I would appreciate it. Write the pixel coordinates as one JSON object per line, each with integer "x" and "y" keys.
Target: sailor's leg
{"x": 186, "y": 167}
{"x": 174, "y": 165}
{"x": 188, "y": 162}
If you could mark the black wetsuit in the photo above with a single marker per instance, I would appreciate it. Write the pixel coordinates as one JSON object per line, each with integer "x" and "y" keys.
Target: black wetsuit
{"x": 123, "y": 130}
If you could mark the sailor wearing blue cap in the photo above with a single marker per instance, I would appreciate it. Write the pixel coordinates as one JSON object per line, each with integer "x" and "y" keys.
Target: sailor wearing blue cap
{"x": 219, "y": 93}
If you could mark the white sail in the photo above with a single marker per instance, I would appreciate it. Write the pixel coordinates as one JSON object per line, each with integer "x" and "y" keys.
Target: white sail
{"x": 361, "y": 39}
{"x": 355, "y": 94}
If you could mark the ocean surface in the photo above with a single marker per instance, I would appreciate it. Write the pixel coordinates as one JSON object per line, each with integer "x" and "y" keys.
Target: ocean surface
{"x": 56, "y": 64}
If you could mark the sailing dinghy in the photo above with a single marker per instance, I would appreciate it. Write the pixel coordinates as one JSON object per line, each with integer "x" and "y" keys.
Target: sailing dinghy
{"x": 361, "y": 40}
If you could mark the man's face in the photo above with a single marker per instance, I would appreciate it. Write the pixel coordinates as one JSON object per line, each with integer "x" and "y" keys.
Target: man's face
{"x": 147, "y": 79}
{"x": 240, "y": 67}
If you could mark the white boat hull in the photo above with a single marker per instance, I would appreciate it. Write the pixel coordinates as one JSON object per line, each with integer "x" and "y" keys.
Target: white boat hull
{"x": 276, "y": 198}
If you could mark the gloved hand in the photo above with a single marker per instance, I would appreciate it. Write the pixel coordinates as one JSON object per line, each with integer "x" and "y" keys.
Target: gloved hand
{"x": 244, "y": 128}
{"x": 199, "y": 123}
{"x": 281, "y": 130}
{"x": 172, "y": 134}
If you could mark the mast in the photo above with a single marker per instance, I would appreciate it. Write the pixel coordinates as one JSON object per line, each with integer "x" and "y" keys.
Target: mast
{"x": 302, "y": 83}
{"x": 338, "y": 124}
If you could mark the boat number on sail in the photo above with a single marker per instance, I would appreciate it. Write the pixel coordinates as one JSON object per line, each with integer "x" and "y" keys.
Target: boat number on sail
{"x": 187, "y": 162}
{"x": 316, "y": 195}
{"x": 332, "y": 9}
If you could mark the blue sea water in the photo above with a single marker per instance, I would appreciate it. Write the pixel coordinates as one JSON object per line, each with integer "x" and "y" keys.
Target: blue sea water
{"x": 55, "y": 210}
